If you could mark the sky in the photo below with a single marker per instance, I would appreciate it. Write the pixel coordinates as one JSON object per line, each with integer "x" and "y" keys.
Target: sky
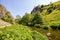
{"x": 20, "y": 7}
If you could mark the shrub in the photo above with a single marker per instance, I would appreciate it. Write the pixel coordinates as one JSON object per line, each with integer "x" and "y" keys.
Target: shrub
{"x": 53, "y": 27}
{"x": 37, "y": 25}
{"x": 59, "y": 27}
{"x": 44, "y": 27}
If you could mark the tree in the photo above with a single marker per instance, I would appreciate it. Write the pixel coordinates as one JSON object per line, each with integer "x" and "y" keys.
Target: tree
{"x": 37, "y": 18}
{"x": 18, "y": 19}
{"x": 27, "y": 19}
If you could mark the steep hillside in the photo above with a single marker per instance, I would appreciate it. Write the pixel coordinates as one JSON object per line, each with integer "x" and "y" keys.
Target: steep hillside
{"x": 53, "y": 18}
{"x": 47, "y": 8}
{"x": 50, "y": 13}
{"x": 6, "y": 15}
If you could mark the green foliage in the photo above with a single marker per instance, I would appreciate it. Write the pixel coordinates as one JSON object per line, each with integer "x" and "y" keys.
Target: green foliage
{"x": 18, "y": 19}
{"x": 37, "y": 25}
{"x": 27, "y": 19}
{"x": 37, "y": 18}
{"x": 50, "y": 15}
{"x": 53, "y": 27}
{"x": 59, "y": 27}
{"x": 19, "y": 32}
{"x": 45, "y": 27}
{"x": 31, "y": 19}
{"x": 37, "y": 36}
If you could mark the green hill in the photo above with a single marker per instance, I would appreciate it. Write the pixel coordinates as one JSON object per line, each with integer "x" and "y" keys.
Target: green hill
{"x": 50, "y": 13}
{"x": 53, "y": 18}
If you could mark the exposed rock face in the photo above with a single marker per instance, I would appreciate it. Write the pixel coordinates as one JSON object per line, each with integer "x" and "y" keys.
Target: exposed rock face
{"x": 1, "y": 14}
{"x": 6, "y": 15}
{"x": 49, "y": 8}
{"x": 38, "y": 8}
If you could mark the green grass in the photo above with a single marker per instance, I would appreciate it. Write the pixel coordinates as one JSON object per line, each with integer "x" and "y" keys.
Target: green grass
{"x": 20, "y": 32}
{"x": 52, "y": 18}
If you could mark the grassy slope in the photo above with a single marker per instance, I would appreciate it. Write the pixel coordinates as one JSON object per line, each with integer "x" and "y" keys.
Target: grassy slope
{"x": 53, "y": 17}
{"x": 19, "y": 32}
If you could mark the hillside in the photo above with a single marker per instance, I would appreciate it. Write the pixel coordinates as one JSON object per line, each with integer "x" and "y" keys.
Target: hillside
{"x": 42, "y": 8}
{"x": 50, "y": 13}
{"x": 6, "y": 15}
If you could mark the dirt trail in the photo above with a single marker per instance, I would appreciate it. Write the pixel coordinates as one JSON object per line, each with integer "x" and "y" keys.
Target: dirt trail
{"x": 4, "y": 24}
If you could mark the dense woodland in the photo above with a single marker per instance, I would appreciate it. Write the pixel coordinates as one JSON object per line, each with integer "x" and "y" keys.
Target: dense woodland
{"x": 36, "y": 25}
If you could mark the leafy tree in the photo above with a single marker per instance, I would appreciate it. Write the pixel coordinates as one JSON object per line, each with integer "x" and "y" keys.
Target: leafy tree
{"x": 37, "y": 18}
{"x": 26, "y": 19}
{"x": 18, "y": 19}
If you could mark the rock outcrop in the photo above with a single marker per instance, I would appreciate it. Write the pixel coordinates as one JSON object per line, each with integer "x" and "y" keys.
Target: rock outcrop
{"x": 6, "y": 15}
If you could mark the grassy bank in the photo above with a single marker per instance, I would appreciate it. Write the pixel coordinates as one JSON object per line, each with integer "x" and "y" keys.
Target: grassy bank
{"x": 20, "y": 32}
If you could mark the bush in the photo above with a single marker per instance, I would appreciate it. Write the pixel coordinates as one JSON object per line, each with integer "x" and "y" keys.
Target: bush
{"x": 59, "y": 27}
{"x": 44, "y": 27}
{"x": 37, "y": 25}
{"x": 53, "y": 27}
